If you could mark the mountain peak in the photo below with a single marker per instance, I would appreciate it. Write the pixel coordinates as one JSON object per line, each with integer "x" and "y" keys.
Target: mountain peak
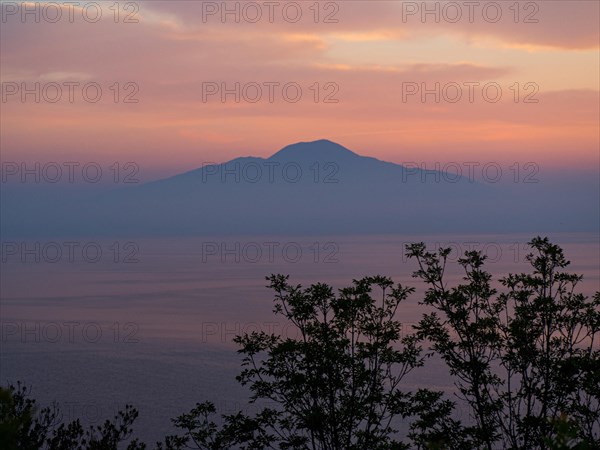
{"x": 322, "y": 149}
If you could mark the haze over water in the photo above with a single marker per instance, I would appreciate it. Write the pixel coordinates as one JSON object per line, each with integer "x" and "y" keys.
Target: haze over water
{"x": 158, "y": 332}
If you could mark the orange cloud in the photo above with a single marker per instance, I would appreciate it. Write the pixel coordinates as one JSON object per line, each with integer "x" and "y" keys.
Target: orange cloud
{"x": 171, "y": 53}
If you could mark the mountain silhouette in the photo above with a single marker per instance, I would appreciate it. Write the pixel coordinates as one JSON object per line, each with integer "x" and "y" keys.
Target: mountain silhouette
{"x": 321, "y": 150}
{"x": 317, "y": 187}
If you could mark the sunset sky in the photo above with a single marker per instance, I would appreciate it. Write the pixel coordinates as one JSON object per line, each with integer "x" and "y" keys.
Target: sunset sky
{"x": 373, "y": 50}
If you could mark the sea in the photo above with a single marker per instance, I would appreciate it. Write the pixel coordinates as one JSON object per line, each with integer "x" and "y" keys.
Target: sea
{"x": 94, "y": 324}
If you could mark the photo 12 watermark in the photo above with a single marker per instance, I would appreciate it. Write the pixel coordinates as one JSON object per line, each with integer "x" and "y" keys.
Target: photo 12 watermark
{"x": 225, "y": 332}
{"x": 70, "y": 172}
{"x": 270, "y": 252}
{"x": 469, "y": 92}
{"x": 525, "y": 12}
{"x": 69, "y": 332}
{"x": 89, "y": 413}
{"x": 271, "y": 172}
{"x": 493, "y": 251}
{"x": 69, "y": 12}
{"x": 70, "y": 92}
{"x": 270, "y": 92}
{"x": 472, "y": 171}
{"x": 252, "y": 12}
{"x": 72, "y": 252}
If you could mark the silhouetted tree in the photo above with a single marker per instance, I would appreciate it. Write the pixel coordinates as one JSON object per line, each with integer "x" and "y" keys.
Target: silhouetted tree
{"x": 336, "y": 386}
{"x": 520, "y": 359}
{"x": 24, "y": 427}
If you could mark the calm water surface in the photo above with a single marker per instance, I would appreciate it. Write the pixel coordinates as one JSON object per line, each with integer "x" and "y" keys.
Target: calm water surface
{"x": 150, "y": 321}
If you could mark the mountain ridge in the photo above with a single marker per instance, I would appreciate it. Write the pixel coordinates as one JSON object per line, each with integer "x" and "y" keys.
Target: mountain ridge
{"x": 323, "y": 151}
{"x": 306, "y": 188}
